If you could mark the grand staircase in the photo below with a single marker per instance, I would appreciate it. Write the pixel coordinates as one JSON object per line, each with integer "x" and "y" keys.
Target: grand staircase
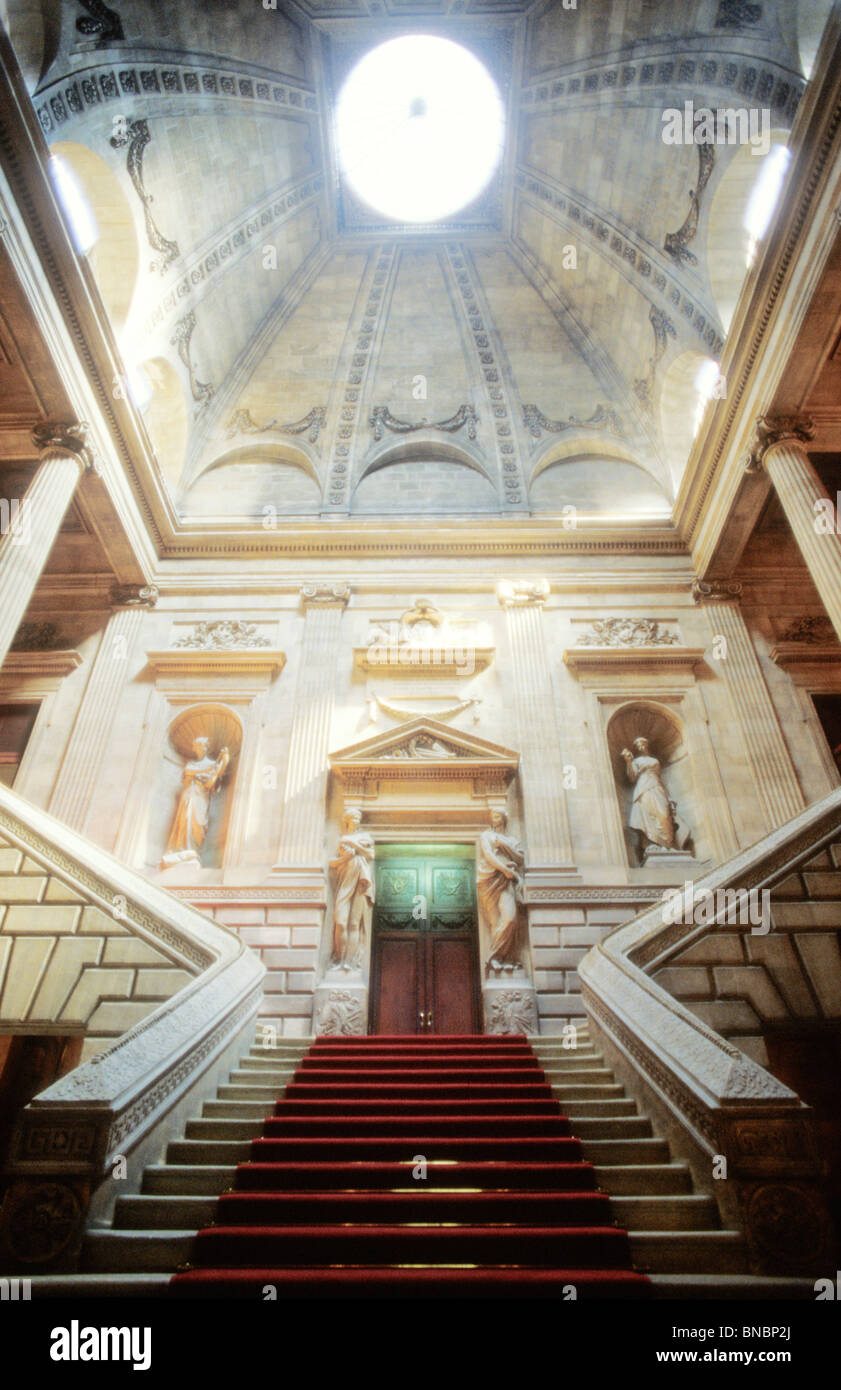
{"x": 302, "y": 1178}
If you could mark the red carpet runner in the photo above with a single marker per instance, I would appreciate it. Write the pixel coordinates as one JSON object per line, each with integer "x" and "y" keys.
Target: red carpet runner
{"x": 328, "y": 1205}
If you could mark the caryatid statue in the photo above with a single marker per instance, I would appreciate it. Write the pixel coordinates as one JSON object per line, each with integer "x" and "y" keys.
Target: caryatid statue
{"x": 499, "y": 880}
{"x": 653, "y": 813}
{"x": 199, "y": 780}
{"x": 354, "y": 893}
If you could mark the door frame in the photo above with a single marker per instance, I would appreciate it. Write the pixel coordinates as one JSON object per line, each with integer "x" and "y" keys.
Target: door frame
{"x": 431, "y": 847}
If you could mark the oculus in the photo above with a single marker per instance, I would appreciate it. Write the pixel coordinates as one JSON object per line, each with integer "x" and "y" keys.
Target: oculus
{"x": 419, "y": 127}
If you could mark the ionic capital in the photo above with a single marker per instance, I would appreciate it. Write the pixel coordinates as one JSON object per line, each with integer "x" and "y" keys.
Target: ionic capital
{"x": 134, "y": 596}
{"x": 325, "y": 595}
{"x": 777, "y": 429}
{"x": 522, "y": 593}
{"x": 63, "y": 441}
{"x": 716, "y": 591}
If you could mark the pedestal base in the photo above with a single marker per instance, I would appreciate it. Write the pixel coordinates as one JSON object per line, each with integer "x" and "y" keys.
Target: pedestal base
{"x": 655, "y": 857}
{"x": 509, "y": 1003}
{"x": 340, "y": 1004}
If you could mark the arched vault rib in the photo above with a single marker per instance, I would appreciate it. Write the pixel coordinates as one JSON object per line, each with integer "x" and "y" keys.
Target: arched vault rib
{"x": 610, "y": 379}
{"x": 228, "y": 390}
{"x": 645, "y": 266}
{"x": 198, "y": 273}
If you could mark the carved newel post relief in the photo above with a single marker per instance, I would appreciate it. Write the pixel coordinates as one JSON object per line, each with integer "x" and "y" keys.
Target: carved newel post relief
{"x": 507, "y": 991}
{"x": 199, "y": 780}
{"x": 341, "y": 1000}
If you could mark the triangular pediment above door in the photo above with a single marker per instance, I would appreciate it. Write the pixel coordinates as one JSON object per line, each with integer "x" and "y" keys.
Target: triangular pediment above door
{"x": 424, "y": 743}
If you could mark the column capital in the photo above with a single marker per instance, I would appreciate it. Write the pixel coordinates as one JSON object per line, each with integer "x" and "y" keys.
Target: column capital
{"x": 716, "y": 591}
{"x": 325, "y": 595}
{"x": 71, "y": 439}
{"x": 522, "y": 593}
{"x": 777, "y": 429}
{"x": 134, "y": 596}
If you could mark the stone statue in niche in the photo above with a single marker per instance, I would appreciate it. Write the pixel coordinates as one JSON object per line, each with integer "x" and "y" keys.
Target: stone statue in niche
{"x": 654, "y": 816}
{"x": 354, "y": 896}
{"x": 199, "y": 780}
{"x": 499, "y": 887}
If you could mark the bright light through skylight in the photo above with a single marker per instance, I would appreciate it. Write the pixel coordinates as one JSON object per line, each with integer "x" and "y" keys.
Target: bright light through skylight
{"x": 419, "y": 125}
{"x": 707, "y": 385}
{"x": 765, "y": 196}
{"x": 75, "y": 205}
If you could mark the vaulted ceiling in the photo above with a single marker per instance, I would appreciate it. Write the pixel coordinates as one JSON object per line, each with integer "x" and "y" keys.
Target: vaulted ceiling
{"x": 536, "y": 351}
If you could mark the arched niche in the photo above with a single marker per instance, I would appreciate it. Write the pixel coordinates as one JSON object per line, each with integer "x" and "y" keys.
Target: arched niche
{"x": 254, "y": 480}
{"x": 728, "y": 240}
{"x": 666, "y": 742}
{"x": 595, "y": 477}
{"x": 423, "y": 477}
{"x": 115, "y": 259}
{"x": 223, "y": 728}
{"x": 681, "y": 406}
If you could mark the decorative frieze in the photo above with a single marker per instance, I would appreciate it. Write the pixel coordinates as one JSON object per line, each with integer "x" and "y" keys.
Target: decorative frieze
{"x": 226, "y": 634}
{"x": 601, "y": 419}
{"x": 626, "y": 632}
{"x": 465, "y": 417}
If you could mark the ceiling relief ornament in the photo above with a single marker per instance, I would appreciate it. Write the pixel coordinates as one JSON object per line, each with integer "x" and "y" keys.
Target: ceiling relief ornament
{"x": 626, "y": 632}
{"x": 101, "y": 23}
{"x": 676, "y": 243}
{"x": 241, "y": 422}
{"x": 663, "y": 330}
{"x": 602, "y": 418}
{"x": 716, "y": 591}
{"x": 776, "y": 429}
{"x": 202, "y": 391}
{"x": 134, "y": 136}
{"x": 228, "y": 634}
{"x": 381, "y": 419}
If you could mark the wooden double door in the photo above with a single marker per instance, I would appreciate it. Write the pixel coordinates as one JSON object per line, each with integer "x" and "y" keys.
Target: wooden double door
{"x": 424, "y": 966}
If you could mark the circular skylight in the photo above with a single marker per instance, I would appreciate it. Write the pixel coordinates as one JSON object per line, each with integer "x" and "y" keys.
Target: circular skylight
{"x": 419, "y": 125}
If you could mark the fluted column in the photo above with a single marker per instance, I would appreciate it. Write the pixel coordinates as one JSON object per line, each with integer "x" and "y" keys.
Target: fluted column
{"x": 80, "y": 767}
{"x": 776, "y": 780}
{"x": 302, "y": 828}
{"x": 27, "y": 542}
{"x": 781, "y": 449}
{"x": 541, "y": 761}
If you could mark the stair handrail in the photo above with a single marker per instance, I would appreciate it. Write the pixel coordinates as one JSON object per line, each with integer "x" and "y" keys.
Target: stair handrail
{"x": 68, "y": 1138}
{"x": 716, "y": 1102}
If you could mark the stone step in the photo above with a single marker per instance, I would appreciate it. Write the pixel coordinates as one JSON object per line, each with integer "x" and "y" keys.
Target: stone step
{"x": 686, "y": 1212}
{"x": 214, "y": 1152}
{"x": 687, "y": 1252}
{"x": 188, "y": 1180}
{"x": 758, "y": 1288}
{"x": 602, "y": 1151}
{"x": 163, "y": 1212}
{"x": 99, "y": 1285}
{"x": 644, "y": 1179}
{"x": 146, "y": 1252}
{"x": 443, "y": 1128}
{"x": 257, "y": 1110}
{"x": 612, "y": 1127}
